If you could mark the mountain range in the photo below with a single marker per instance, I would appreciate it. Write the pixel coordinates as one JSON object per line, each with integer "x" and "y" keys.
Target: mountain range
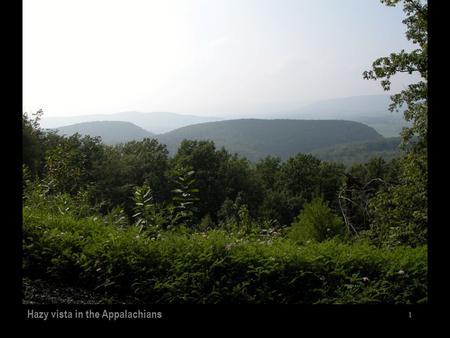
{"x": 371, "y": 110}
{"x": 155, "y": 122}
{"x": 342, "y": 130}
{"x": 257, "y": 138}
{"x": 254, "y": 138}
{"x": 111, "y": 132}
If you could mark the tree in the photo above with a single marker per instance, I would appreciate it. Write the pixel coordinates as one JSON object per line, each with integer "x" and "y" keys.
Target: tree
{"x": 267, "y": 171}
{"x": 123, "y": 167}
{"x": 203, "y": 158}
{"x": 303, "y": 177}
{"x": 71, "y": 161}
{"x": 416, "y": 61}
{"x": 401, "y": 211}
{"x": 240, "y": 181}
{"x": 32, "y": 149}
{"x": 399, "y": 215}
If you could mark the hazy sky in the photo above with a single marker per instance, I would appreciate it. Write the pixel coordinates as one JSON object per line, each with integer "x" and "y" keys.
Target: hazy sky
{"x": 204, "y": 57}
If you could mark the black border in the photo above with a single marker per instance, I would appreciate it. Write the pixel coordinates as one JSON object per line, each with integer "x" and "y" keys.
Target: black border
{"x": 227, "y": 316}
{"x": 437, "y": 182}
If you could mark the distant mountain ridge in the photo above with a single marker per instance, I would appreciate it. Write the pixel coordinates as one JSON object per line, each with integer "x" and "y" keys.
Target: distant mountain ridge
{"x": 258, "y": 138}
{"x": 111, "y": 132}
{"x": 332, "y": 140}
{"x": 371, "y": 110}
{"x": 156, "y": 122}
{"x": 329, "y": 129}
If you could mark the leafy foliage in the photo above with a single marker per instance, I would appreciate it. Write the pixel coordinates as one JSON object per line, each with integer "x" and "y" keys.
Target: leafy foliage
{"x": 147, "y": 214}
{"x": 185, "y": 196}
{"x": 416, "y": 61}
{"x": 218, "y": 267}
{"x": 123, "y": 167}
{"x": 32, "y": 148}
{"x": 154, "y": 217}
{"x": 316, "y": 222}
{"x": 400, "y": 213}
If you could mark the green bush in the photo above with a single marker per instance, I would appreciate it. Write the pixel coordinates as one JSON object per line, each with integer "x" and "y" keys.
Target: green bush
{"x": 399, "y": 215}
{"x": 37, "y": 194}
{"x": 316, "y": 222}
{"x": 183, "y": 266}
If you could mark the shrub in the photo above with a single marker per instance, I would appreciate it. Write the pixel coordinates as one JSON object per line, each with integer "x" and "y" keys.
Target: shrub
{"x": 37, "y": 195}
{"x": 316, "y": 222}
{"x": 183, "y": 266}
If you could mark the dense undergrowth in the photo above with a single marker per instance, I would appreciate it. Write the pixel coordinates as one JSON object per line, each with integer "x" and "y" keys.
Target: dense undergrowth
{"x": 183, "y": 266}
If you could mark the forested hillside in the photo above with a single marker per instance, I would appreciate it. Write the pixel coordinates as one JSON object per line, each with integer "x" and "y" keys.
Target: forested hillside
{"x": 256, "y": 139}
{"x": 360, "y": 152}
{"x": 371, "y": 110}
